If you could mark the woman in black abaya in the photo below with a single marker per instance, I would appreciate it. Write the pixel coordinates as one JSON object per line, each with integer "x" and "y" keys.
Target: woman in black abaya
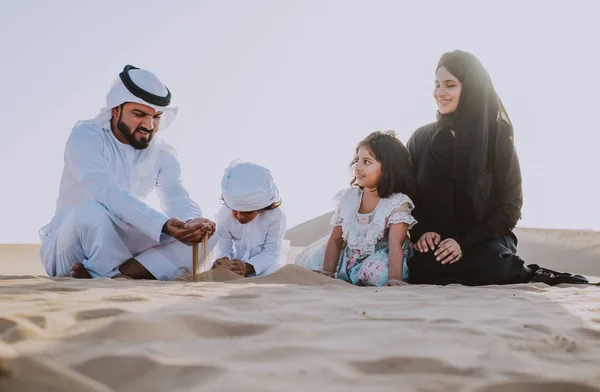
{"x": 469, "y": 185}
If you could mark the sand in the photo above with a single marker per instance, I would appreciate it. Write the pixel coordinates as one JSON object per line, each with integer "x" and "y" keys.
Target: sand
{"x": 296, "y": 330}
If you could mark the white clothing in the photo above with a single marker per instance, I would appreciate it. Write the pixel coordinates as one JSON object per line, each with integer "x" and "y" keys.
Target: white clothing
{"x": 362, "y": 231}
{"x": 248, "y": 187}
{"x": 103, "y": 241}
{"x": 259, "y": 242}
{"x": 100, "y": 217}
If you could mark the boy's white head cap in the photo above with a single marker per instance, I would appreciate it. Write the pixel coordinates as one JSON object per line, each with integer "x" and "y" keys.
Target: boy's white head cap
{"x": 247, "y": 186}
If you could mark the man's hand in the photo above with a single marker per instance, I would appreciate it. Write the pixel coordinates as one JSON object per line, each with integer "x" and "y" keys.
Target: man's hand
{"x": 191, "y": 231}
{"x": 177, "y": 228}
{"x": 206, "y": 225}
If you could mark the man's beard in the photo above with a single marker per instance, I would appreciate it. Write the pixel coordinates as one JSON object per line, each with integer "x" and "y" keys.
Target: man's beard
{"x": 130, "y": 135}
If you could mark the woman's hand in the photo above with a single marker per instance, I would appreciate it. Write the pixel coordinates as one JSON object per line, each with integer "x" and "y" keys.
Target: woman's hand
{"x": 448, "y": 252}
{"x": 428, "y": 241}
{"x": 396, "y": 282}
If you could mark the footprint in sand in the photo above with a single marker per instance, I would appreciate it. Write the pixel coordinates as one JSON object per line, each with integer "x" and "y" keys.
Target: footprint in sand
{"x": 39, "y": 321}
{"x": 538, "y": 386}
{"x": 98, "y": 313}
{"x": 60, "y": 289}
{"x": 398, "y": 365}
{"x": 12, "y": 332}
{"x": 7, "y": 326}
{"x": 174, "y": 327}
{"x": 537, "y": 327}
{"x": 125, "y": 298}
{"x": 144, "y": 374}
{"x": 241, "y": 296}
{"x": 588, "y": 332}
{"x": 212, "y": 328}
{"x": 15, "y": 277}
{"x": 445, "y": 321}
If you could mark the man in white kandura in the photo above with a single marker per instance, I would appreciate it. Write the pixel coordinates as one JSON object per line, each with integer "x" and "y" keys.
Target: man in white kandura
{"x": 101, "y": 227}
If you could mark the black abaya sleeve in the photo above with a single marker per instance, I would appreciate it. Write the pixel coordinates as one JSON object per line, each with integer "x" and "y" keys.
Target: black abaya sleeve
{"x": 416, "y": 144}
{"x": 507, "y": 199}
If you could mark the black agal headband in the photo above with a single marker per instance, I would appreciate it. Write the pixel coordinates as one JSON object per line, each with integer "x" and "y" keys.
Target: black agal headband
{"x": 140, "y": 92}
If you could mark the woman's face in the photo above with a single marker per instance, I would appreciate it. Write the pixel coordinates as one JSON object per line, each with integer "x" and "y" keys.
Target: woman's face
{"x": 447, "y": 91}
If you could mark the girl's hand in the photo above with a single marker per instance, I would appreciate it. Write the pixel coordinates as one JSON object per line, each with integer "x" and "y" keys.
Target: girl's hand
{"x": 326, "y": 273}
{"x": 428, "y": 241}
{"x": 396, "y": 282}
{"x": 448, "y": 252}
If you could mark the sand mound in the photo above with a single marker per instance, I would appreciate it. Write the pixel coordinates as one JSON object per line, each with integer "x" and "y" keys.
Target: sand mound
{"x": 292, "y": 274}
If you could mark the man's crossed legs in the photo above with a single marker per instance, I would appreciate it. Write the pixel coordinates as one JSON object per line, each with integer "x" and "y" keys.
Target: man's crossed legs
{"x": 93, "y": 242}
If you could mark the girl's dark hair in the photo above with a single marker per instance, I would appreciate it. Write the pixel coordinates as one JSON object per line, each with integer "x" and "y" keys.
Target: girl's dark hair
{"x": 396, "y": 171}
{"x": 276, "y": 204}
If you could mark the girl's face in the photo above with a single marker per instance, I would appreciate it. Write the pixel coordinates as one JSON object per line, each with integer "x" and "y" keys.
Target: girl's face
{"x": 367, "y": 169}
{"x": 447, "y": 91}
{"x": 244, "y": 217}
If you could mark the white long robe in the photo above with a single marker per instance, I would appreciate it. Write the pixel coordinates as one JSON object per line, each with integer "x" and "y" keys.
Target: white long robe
{"x": 101, "y": 219}
{"x": 259, "y": 242}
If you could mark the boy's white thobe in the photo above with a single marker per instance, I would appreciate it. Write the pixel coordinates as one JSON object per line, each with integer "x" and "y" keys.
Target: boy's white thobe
{"x": 100, "y": 217}
{"x": 259, "y": 242}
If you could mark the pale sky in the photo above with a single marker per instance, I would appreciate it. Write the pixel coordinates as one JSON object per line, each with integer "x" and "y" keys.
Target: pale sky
{"x": 294, "y": 85}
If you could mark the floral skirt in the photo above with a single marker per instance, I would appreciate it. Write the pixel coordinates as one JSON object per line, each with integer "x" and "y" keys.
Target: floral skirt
{"x": 354, "y": 267}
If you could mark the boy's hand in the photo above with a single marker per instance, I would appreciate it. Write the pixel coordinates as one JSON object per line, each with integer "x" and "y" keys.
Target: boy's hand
{"x": 219, "y": 262}
{"x": 238, "y": 266}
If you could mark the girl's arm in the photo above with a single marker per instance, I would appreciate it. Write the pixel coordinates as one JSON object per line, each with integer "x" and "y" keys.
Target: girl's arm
{"x": 399, "y": 222}
{"x": 332, "y": 250}
{"x": 396, "y": 251}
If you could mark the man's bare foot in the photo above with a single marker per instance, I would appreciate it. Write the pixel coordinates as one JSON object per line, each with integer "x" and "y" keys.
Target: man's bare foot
{"x": 78, "y": 271}
{"x": 135, "y": 270}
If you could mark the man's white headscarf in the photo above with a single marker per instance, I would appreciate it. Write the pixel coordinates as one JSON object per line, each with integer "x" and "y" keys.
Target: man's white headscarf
{"x": 140, "y": 86}
{"x": 248, "y": 187}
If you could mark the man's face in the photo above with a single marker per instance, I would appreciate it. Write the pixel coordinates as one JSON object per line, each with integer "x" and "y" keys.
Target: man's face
{"x": 137, "y": 123}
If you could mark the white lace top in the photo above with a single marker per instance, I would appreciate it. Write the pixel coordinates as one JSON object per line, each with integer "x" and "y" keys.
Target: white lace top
{"x": 362, "y": 231}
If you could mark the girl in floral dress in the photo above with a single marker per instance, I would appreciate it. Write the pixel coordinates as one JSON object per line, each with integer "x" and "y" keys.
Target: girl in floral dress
{"x": 369, "y": 245}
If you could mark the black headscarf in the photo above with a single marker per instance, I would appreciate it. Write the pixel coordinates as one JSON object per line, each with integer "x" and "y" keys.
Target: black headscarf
{"x": 477, "y": 122}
